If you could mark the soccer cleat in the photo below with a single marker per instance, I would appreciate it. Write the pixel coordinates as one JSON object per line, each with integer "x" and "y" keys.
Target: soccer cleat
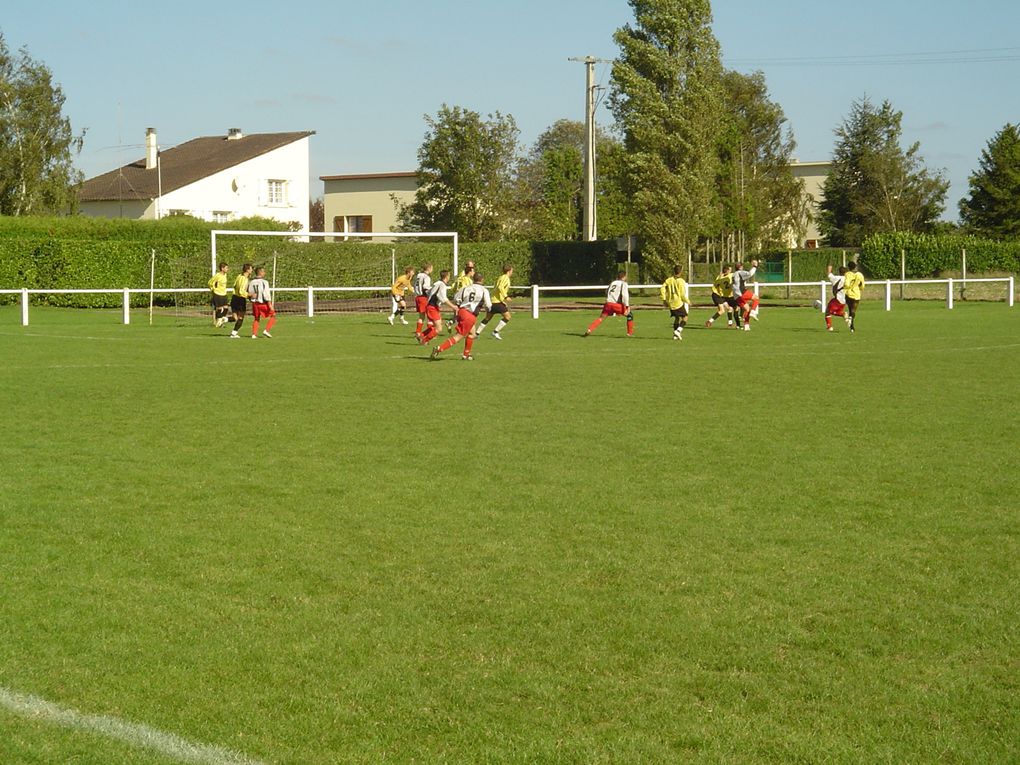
{"x": 831, "y": 329}
{"x": 747, "y": 327}
{"x": 390, "y": 320}
{"x": 254, "y": 337}
{"x": 587, "y": 332}
{"x": 496, "y": 335}
{"x": 708, "y": 323}
{"x": 435, "y": 353}
{"x": 467, "y": 357}
{"x": 754, "y": 314}
{"x": 266, "y": 333}
{"x": 234, "y": 336}
{"x": 729, "y": 323}
{"x": 403, "y": 320}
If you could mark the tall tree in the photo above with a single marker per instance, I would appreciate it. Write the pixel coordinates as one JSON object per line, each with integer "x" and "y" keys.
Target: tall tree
{"x": 759, "y": 198}
{"x": 466, "y": 176}
{"x": 993, "y": 207}
{"x": 36, "y": 141}
{"x": 875, "y": 185}
{"x": 667, "y": 100}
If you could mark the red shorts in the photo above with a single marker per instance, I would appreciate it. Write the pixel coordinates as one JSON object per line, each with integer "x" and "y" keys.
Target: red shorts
{"x": 262, "y": 310}
{"x": 465, "y": 322}
{"x": 745, "y": 298}
{"x": 614, "y": 309}
{"x": 432, "y": 313}
{"x": 420, "y": 303}
{"x": 835, "y": 308}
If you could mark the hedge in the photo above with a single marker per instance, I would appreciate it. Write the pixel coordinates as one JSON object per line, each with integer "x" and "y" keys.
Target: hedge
{"x": 930, "y": 255}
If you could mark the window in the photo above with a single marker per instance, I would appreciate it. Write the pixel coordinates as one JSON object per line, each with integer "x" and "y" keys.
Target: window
{"x": 359, "y": 224}
{"x": 220, "y": 216}
{"x": 276, "y": 192}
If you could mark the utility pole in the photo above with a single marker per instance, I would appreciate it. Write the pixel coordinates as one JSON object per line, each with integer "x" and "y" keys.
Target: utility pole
{"x": 590, "y": 218}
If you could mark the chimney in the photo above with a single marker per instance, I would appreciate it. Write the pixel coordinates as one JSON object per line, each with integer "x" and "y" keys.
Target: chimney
{"x": 151, "y": 148}
{"x": 234, "y": 134}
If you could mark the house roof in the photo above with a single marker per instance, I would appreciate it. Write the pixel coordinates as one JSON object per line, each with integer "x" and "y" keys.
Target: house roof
{"x": 182, "y": 165}
{"x": 363, "y": 176}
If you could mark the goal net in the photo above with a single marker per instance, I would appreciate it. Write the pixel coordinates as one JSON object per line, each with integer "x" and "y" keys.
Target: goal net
{"x": 318, "y": 273}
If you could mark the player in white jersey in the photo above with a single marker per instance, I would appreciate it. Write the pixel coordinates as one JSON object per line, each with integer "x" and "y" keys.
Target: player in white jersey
{"x": 617, "y": 304}
{"x": 435, "y": 301}
{"x": 470, "y": 301}
{"x": 261, "y": 303}
{"x": 422, "y": 285}
{"x": 837, "y": 303}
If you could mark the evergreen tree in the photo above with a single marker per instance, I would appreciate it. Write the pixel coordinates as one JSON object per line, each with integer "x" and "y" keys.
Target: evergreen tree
{"x": 993, "y": 207}
{"x": 36, "y": 142}
{"x": 667, "y": 101}
{"x": 876, "y": 186}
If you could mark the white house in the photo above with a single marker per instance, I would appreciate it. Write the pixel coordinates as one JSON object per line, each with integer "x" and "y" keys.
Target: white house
{"x": 216, "y": 178}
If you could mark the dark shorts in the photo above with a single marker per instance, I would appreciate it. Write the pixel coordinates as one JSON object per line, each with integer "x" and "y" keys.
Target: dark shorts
{"x": 499, "y": 308}
{"x": 851, "y": 305}
{"x": 678, "y": 313}
{"x": 238, "y": 304}
{"x": 719, "y": 299}
{"x": 219, "y": 301}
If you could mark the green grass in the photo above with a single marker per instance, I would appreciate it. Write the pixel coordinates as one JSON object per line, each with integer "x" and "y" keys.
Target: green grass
{"x": 766, "y": 547}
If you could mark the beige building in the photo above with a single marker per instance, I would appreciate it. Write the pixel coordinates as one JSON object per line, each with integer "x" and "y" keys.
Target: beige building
{"x": 364, "y": 203}
{"x": 813, "y": 175}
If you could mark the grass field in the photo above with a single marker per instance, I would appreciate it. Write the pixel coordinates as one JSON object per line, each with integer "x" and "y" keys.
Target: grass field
{"x": 767, "y": 547}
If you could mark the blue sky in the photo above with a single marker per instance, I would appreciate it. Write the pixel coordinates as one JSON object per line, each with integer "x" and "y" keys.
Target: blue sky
{"x": 363, "y": 74}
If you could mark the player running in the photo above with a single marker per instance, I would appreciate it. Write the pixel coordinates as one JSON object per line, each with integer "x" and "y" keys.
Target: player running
{"x": 422, "y": 285}
{"x": 466, "y": 279}
{"x": 674, "y": 296}
{"x": 722, "y": 296}
{"x": 239, "y": 300}
{"x": 500, "y": 303}
{"x": 261, "y": 303}
{"x": 397, "y": 291}
{"x": 433, "y": 310}
{"x": 220, "y": 303}
{"x": 617, "y": 304}
{"x": 747, "y": 301}
{"x": 853, "y": 283}
{"x": 837, "y": 303}
{"x": 470, "y": 301}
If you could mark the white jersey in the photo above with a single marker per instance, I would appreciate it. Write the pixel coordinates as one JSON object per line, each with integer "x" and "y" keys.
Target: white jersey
{"x": 473, "y": 297}
{"x": 618, "y": 293}
{"x": 437, "y": 295}
{"x": 259, "y": 290}
{"x": 422, "y": 284}
{"x": 838, "y": 292}
{"x": 740, "y": 280}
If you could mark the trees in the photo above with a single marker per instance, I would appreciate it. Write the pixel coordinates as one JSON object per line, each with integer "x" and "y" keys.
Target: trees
{"x": 993, "y": 207}
{"x": 759, "y": 199}
{"x": 667, "y": 100}
{"x": 36, "y": 142}
{"x": 466, "y": 170}
{"x": 875, "y": 185}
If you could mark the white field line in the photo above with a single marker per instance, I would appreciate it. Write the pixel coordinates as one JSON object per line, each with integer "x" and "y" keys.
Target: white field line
{"x": 135, "y": 734}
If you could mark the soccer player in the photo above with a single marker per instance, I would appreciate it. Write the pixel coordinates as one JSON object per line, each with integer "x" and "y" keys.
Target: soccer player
{"x": 433, "y": 310}
{"x": 722, "y": 296}
{"x": 617, "y": 304}
{"x": 837, "y": 304}
{"x": 466, "y": 279}
{"x": 220, "y": 304}
{"x": 422, "y": 285}
{"x": 239, "y": 300}
{"x": 674, "y": 296}
{"x": 853, "y": 283}
{"x": 500, "y": 303}
{"x": 400, "y": 286}
{"x": 469, "y": 300}
{"x": 261, "y": 303}
{"x": 747, "y": 301}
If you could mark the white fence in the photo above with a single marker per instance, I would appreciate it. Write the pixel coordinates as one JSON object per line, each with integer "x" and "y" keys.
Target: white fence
{"x": 537, "y": 291}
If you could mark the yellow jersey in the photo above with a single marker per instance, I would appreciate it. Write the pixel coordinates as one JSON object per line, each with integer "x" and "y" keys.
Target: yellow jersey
{"x": 853, "y": 285}
{"x": 501, "y": 291}
{"x": 401, "y": 285}
{"x": 722, "y": 285}
{"x": 463, "y": 281}
{"x": 241, "y": 286}
{"x": 674, "y": 292}
{"x": 218, "y": 284}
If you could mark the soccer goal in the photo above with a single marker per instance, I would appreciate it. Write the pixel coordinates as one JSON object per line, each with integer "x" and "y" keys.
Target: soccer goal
{"x": 333, "y": 272}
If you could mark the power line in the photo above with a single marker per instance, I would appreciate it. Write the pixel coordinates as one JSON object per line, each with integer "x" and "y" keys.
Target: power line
{"x": 968, "y": 56}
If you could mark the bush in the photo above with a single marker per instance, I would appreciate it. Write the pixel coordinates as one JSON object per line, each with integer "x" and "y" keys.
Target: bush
{"x": 930, "y": 255}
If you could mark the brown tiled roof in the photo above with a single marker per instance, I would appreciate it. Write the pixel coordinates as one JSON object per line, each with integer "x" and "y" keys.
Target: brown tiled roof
{"x": 182, "y": 165}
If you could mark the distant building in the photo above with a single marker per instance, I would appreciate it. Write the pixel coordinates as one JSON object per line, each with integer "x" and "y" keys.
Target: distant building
{"x": 364, "y": 202}
{"x": 813, "y": 174}
{"x": 216, "y": 178}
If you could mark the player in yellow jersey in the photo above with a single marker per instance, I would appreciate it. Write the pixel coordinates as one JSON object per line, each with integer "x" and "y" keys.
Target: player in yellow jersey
{"x": 500, "y": 303}
{"x": 220, "y": 303}
{"x": 722, "y": 296}
{"x": 239, "y": 300}
{"x": 674, "y": 296}
{"x": 853, "y": 284}
{"x": 397, "y": 291}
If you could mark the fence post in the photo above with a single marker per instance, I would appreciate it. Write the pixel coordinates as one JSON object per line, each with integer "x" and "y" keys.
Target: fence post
{"x": 127, "y": 306}
{"x": 24, "y": 304}
{"x": 888, "y": 295}
{"x": 311, "y": 303}
{"x": 844, "y": 258}
{"x": 757, "y": 288}
{"x": 534, "y": 301}
{"x": 789, "y": 271}
{"x": 949, "y": 294}
{"x": 903, "y": 270}
{"x": 822, "y": 301}
{"x": 1009, "y": 297}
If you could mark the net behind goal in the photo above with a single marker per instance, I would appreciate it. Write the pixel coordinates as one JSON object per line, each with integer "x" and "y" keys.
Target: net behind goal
{"x": 338, "y": 272}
